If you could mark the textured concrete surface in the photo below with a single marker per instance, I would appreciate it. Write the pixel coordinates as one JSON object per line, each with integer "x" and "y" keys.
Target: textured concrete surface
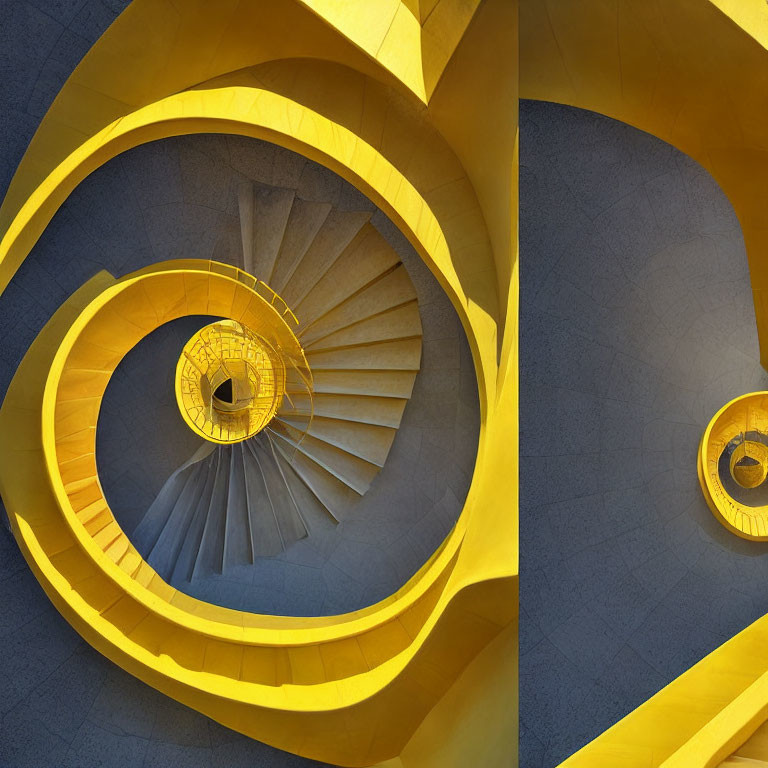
{"x": 182, "y": 202}
{"x": 63, "y": 705}
{"x": 637, "y": 324}
{"x": 41, "y": 42}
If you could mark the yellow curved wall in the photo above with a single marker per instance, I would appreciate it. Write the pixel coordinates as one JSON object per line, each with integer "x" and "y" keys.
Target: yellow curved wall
{"x": 692, "y": 72}
{"x": 383, "y": 109}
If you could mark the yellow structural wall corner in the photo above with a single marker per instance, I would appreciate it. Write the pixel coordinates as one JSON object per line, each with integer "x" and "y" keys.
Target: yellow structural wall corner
{"x": 693, "y": 73}
{"x": 475, "y": 723}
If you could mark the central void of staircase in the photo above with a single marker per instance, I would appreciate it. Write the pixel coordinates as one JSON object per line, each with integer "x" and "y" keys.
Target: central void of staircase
{"x": 359, "y": 325}
{"x": 383, "y": 473}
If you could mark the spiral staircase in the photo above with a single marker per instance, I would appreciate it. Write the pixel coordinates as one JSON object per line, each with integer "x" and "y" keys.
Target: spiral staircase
{"x": 359, "y": 325}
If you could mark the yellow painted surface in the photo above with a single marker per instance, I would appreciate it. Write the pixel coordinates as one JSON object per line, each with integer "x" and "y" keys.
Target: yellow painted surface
{"x": 475, "y": 723}
{"x": 743, "y": 414}
{"x": 750, "y": 15}
{"x": 754, "y": 748}
{"x": 479, "y": 143}
{"x": 349, "y": 689}
{"x": 386, "y": 30}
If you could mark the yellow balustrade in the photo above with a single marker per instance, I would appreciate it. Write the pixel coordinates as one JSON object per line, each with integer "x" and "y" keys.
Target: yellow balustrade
{"x": 227, "y": 352}
{"x": 745, "y": 414}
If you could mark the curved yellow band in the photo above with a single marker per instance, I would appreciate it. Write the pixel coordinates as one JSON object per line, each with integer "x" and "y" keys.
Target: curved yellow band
{"x": 349, "y": 689}
{"x": 278, "y": 679}
{"x": 741, "y": 415}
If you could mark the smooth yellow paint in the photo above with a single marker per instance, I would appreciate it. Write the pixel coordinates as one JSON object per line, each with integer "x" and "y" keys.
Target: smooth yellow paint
{"x": 475, "y": 723}
{"x": 256, "y": 367}
{"x": 480, "y": 142}
{"x": 750, "y": 15}
{"x": 348, "y": 689}
{"x": 755, "y": 748}
{"x": 386, "y": 30}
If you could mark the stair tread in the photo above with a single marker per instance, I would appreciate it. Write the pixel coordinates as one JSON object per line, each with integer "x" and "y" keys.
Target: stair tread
{"x": 187, "y": 554}
{"x": 366, "y": 262}
{"x": 369, "y": 442}
{"x": 305, "y": 220}
{"x": 367, "y": 409}
{"x": 265, "y": 533}
{"x": 353, "y": 471}
{"x": 287, "y": 517}
{"x": 237, "y": 527}
{"x": 210, "y": 554}
{"x": 387, "y": 383}
{"x": 171, "y": 520}
{"x": 401, "y": 354}
{"x": 340, "y": 231}
{"x": 334, "y": 495}
{"x": 401, "y": 322}
{"x": 151, "y": 526}
{"x": 165, "y": 552}
{"x": 271, "y": 212}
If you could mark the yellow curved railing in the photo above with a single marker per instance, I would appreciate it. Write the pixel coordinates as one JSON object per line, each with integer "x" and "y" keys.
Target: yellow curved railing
{"x": 741, "y": 415}
{"x": 284, "y": 680}
{"x": 434, "y": 170}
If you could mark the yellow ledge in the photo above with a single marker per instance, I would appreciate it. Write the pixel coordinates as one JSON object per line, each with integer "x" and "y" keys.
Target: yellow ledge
{"x": 348, "y": 689}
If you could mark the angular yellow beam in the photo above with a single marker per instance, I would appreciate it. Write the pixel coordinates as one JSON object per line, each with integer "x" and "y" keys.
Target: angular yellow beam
{"x": 386, "y": 30}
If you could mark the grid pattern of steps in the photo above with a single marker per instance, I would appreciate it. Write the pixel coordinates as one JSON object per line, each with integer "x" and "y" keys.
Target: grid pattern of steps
{"x": 226, "y": 506}
{"x": 360, "y": 328}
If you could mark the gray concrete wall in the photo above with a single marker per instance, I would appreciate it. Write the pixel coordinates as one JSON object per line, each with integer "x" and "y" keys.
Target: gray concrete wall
{"x": 637, "y": 324}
